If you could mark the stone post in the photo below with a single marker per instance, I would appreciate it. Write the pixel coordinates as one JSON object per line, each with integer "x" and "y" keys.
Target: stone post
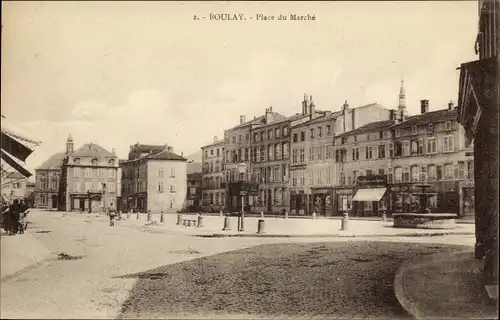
{"x": 138, "y": 215}
{"x": 314, "y": 215}
{"x": 262, "y": 213}
{"x": 227, "y": 224}
{"x": 179, "y": 219}
{"x": 149, "y": 215}
{"x": 260, "y": 226}
{"x": 162, "y": 217}
{"x": 200, "y": 221}
{"x": 345, "y": 221}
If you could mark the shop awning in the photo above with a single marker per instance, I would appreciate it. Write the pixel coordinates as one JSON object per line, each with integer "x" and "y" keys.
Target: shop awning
{"x": 372, "y": 194}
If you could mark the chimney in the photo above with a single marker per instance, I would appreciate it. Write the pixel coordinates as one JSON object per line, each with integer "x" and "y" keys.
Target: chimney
{"x": 170, "y": 149}
{"x": 424, "y": 106}
{"x": 269, "y": 115}
{"x": 312, "y": 107}
{"x": 450, "y": 105}
{"x": 216, "y": 139}
{"x": 304, "y": 105}
{"x": 182, "y": 154}
{"x": 242, "y": 119}
{"x": 113, "y": 151}
{"x": 392, "y": 114}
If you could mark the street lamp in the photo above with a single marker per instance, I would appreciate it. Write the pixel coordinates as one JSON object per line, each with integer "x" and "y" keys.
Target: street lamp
{"x": 242, "y": 168}
{"x": 104, "y": 197}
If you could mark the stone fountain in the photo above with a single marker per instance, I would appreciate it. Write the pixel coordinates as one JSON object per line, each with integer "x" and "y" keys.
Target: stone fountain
{"x": 424, "y": 218}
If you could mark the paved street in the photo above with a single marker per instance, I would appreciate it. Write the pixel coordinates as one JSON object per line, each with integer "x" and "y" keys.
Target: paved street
{"x": 223, "y": 277}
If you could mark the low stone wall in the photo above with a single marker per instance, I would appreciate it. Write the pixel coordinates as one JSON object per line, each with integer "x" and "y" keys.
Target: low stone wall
{"x": 424, "y": 220}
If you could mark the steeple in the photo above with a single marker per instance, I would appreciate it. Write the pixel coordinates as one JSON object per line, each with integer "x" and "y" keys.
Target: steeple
{"x": 69, "y": 145}
{"x": 402, "y": 99}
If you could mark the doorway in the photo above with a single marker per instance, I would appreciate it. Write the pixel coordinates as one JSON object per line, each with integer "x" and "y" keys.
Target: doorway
{"x": 54, "y": 201}
{"x": 82, "y": 204}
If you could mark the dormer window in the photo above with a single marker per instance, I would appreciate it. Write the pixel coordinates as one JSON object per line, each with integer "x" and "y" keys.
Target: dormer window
{"x": 430, "y": 128}
{"x": 397, "y": 133}
{"x": 94, "y": 161}
{"x": 77, "y": 160}
{"x": 112, "y": 162}
{"x": 414, "y": 130}
{"x": 447, "y": 125}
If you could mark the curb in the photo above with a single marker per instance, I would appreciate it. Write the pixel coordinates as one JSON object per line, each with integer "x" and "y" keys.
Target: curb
{"x": 409, "y": 306}
{"x": 255, "y": 235}
{"x": 27, "y": 268}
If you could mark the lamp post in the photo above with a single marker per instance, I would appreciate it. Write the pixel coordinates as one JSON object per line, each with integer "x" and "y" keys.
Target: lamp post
{"x": 104, "y": 197}
{"x": 242, "y": 168}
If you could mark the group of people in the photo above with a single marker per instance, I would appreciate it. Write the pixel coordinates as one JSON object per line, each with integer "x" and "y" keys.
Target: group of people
{"x": 14, "y": 217}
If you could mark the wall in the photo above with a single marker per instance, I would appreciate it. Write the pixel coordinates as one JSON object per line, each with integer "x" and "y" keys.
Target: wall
{"x": 167, "y": 200}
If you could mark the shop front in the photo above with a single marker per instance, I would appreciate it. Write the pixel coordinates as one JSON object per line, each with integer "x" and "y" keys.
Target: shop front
{"x": 299, "y": 200}
{"x": 343, "y": 199}
{"x": 322, "y": 201}
{"x": 370, "y": 199}
{"x": 466, "y": 198}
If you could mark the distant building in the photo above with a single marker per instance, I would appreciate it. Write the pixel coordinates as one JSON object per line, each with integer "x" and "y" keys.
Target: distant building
{"x": 194, "y": 192}
{"x": 214, "y": 192}
{"x": 153, "y": 178}
{"x": 89, "y": 178}
{"x": 15, "y": 185}
{"x": 47, "y": 182}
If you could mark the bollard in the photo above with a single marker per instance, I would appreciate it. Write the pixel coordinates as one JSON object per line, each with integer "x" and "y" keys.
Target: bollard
{"x": 261, "y": 213}
{"x": 200, "y": 221}
{"x": 149, "y": 215}
{"x": 162, "y": 217}
{"x": 128, "y": 214}
{"x": 138, "y": 216}
{"x": 384, "y": 217}
{"x": 221, "y": 214}
{"x": 179, "y": 219}
{"x": 260, "y": 226}
{"x": 227, "y": 224}
{"x": 314, "y": 215}
{"x": 286, "y": 214}
{"x": 344, "y": 223}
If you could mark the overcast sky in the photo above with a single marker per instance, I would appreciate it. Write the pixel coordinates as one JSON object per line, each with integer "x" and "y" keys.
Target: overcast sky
{"x": 117, "y": 73}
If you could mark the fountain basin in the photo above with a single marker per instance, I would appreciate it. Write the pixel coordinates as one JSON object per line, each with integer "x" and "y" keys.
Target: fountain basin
{"x": 424, "y": 220}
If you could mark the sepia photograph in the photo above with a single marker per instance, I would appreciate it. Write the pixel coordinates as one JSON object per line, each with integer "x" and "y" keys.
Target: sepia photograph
{"x": 249, "y": 159}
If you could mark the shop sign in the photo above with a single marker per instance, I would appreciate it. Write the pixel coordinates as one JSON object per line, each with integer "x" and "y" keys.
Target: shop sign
{"x": 321, "y": 191}
{"x": 372, "y": 181}
{"x": 467, "y": 183}
{"x": 344, "y": 191}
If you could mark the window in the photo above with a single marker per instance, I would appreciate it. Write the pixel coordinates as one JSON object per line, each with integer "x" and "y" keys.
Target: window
{"x": 414, "y": 130}
{"x": 172, "y": 188}
{"x": 95, "y": 172}
{"x": 354, "y": 176}
{"x": 467, "y": 143}
{"x": 302, "y": 180}
{"x": 285, "y": 131}
{"x": 328, "y": 129}
{"x": 431, "y": 145}
{"x": 406, "y": 174}
{"x": 247, "y": 137}
{"x": 414, "y": 173}
{"x": 447, "y": 125}
{"x": 461, "y": 170}
{"x": 294, "y": 178}
{"x": 246, "y": 158}
{"x": 406, "y": 148}
{"x": 320, "y": 153}
{"x": 320, "y": 132}
{"x": 256, "y": 137}
{"x": 277, "y": 132}
{"x": 172, "y": 172}
{"x": 295, "y": 137}
{"x": 389, "y": 175}
{"x": 391, "y": 150}
{"x": 430, "y": 128}
{"x": 448, "y": 143}
{"x": 88, "y": 172}
{"x": 368, "y": 153}
{"x": 234, "y": 139}
{"x": 76, "y": 186}
{"x": 312, "y": 134}
{"x": 262, "y": 136}
{"x": 262, "y": 153}
{"x": 212, "y": 152}
{"x": 160, "y": 172}
{"x": 77, "y": 160}
{"x": 270, "y": 152}
{"x": 420, "y": 149}
{"x": 112, "y": 173}
{"x": 277, "y": 174}
{"x": 328, "y": 153}
{"x": 94, "y": 161}
{"x": 448, "y": 171}
{"x": 381, "y": 171}
{"x": 368, "y": 137}
{"x": 270, "y": 134}
{"x": 355, "y": 138}
{"x": 355, "y": 154}
{"x": 398, "y": 174}
{"x": 397, "y": 133}
{"x": 385, "y": 134}
{"x": 311, "y": 153}
{"x": 76, "y": 172}
{"x": 439, "y": 172}
{"x": 277, "y": 152}
{"x": 381, "y": 151}
{"x": 88, "y": 186}
{"x": 303, "y": 136}
{"x": 470, "y": 169}
{"x": 369, "y": 172}
{"x": 302, "y": 155}
{"x": 414, "y": 147}
{"x": 240, "y": 138}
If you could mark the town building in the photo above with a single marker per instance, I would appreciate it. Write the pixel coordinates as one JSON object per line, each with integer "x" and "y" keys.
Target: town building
{"x": 312, "y": 162}
{"x": 478, "y": 106}
{"x": 194, "y": 192}
{"x": 154, "y": 179}
{"x": 214, "y": 191}
{"x": 15, "y": 186}
{"x": 47, "y": 181}
{"x": 89, "y": 178}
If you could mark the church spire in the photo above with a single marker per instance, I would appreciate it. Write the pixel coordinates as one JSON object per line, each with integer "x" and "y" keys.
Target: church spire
{"x": 69, "y": 145}
{"x": 402, "y": 99}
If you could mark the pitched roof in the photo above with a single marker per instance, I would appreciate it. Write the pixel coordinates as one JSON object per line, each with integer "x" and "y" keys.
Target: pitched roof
{"x": 92, "y": 150}
{"x": 429, "y": 117}
{"x": 370, "y": 127}
{"x": 12, "y": 175}
{"x": 54, "y": 162}
{"x": 255, "y": 120}
{"x": 165, "y": 155}
{"x": 146, "y": 148}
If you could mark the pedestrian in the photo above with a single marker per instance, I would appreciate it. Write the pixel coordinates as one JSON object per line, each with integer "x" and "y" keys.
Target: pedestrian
{"x": 112, "y": 214}
{"x": 22, "y": 222}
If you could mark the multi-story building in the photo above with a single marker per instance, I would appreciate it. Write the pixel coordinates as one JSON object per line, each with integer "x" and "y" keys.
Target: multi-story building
{"x": 479, "y": 103}
{"x": 312, "y": 162}
{"x": 194, "y": 192}
{"x": 154, "y": 178}
{"x": 15, "y": 186}
{"x": 89, "y": 179}
{"x": 47, "y": 182}
{"x": 214, "y": 191}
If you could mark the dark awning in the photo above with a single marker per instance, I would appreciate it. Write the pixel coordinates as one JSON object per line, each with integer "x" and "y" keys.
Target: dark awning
{"x": 12, "y": 162}
{"x": 14, "y": 147}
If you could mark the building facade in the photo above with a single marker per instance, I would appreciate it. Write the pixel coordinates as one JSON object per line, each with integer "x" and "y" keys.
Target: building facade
{"x": 47, "y": 180}
{"x": 214, "y": 191}
{"x": 89, "y": 178}
{"x": 479, "y": 103}
{"x": 194, "y": 192}
{"x": 15, "y": 186}
{"x": 154, "y": 178}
